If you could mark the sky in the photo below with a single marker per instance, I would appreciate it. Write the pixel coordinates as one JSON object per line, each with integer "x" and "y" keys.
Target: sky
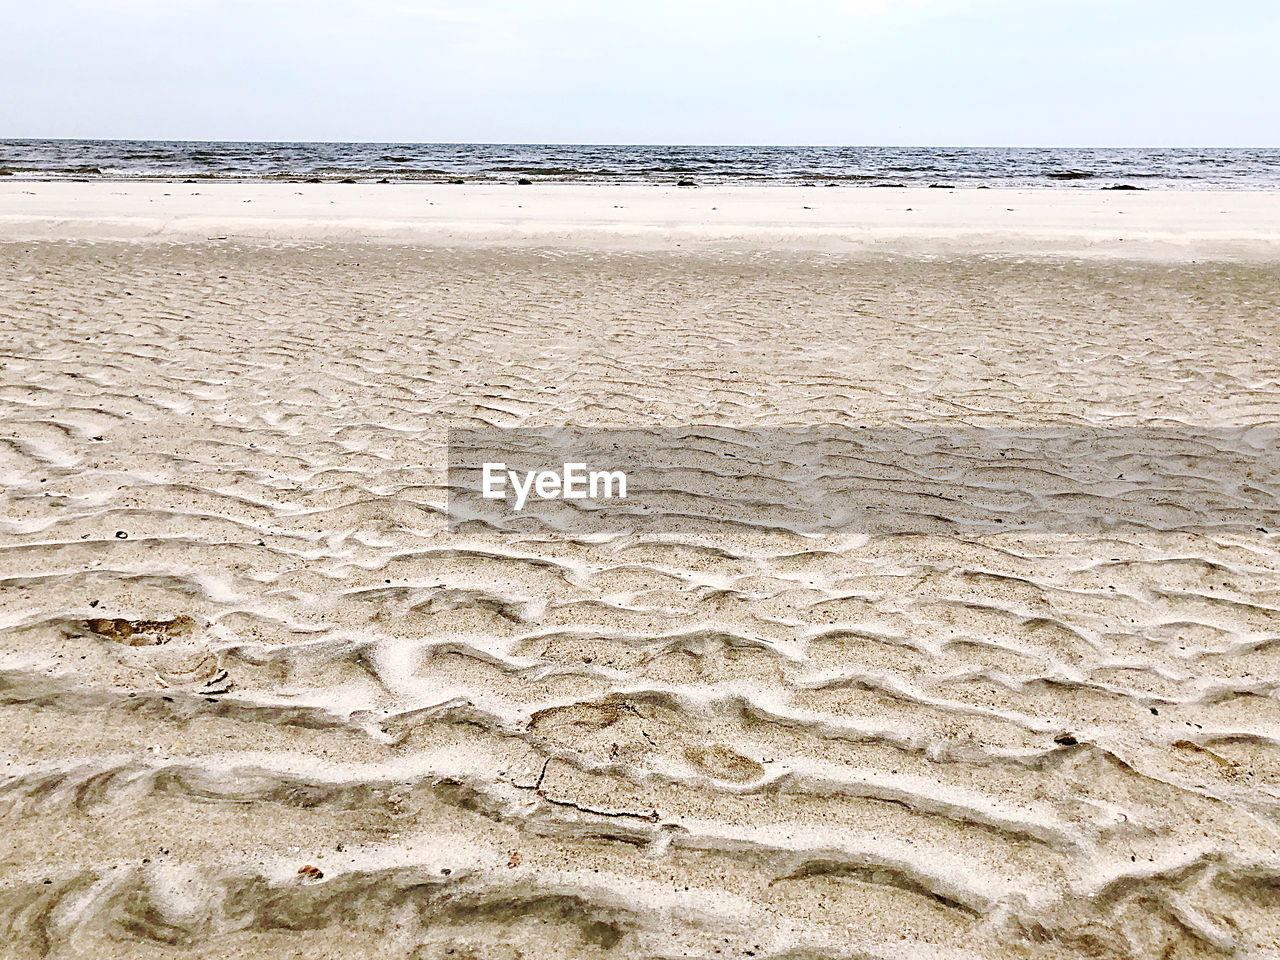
{"x": 851, "y": 72}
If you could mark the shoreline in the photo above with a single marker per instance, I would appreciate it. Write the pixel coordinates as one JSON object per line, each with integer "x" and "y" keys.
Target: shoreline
{"x": 1161, "y": 225}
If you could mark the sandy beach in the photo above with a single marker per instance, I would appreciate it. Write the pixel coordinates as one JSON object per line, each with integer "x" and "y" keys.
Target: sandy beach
{"x": 261, "y": 700}
{"x": 1241, "y": 224}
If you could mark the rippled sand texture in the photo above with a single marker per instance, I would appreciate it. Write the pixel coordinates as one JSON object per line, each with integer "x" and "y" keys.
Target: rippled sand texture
{"x": 258, "y": 701}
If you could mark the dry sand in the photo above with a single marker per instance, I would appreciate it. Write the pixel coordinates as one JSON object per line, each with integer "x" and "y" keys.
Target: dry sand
{"x": 238, "y": 639}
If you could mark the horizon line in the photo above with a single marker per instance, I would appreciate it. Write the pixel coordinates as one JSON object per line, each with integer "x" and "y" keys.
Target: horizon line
{"x": 702, "y": 144}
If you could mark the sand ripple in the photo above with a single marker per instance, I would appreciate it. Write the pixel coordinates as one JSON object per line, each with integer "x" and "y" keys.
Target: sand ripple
{"x": 261, "y": 700}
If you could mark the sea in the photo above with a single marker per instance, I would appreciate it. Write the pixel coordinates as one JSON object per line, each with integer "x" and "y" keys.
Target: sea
{"x": 1059, "y": 168}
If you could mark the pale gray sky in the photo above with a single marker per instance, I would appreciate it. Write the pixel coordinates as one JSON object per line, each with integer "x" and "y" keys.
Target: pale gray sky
{"x": 956, "y": 72}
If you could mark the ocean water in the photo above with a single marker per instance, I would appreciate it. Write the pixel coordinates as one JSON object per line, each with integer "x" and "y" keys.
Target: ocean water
{"x": 1089, "y": 168}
